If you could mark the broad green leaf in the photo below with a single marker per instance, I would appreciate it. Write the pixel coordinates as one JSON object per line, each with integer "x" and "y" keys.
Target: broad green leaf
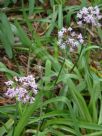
{"x": 79, "y": 100}
{"x": 6, "y": 35}
{"x": 98, "y": 133}
{"x": 22, "y": 35}
{"x": 49, "y": 115}
{"x": 53, "y": 21}
{"x": 69, "y": 122}
{"x": 3, "y": 68}
{"x": 31, "y": 6}
{"x": 48, "y": 71}
{"x": 60, "y": 16}
{"x": 28, "y": 112}
{"x": 6, "y": 127}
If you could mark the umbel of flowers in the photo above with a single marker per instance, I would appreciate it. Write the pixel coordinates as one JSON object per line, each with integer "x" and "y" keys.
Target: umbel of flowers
{"x": 90, "y": 16}
{"x": 69, "y": 38}
{"x": 23, "y": 89}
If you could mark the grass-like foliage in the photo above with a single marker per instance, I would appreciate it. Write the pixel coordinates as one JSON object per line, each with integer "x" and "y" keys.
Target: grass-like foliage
{"x": 68, "y": 100}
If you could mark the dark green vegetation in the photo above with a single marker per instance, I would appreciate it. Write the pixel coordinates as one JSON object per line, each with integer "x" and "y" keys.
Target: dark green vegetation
{"x": 69, "y": 102}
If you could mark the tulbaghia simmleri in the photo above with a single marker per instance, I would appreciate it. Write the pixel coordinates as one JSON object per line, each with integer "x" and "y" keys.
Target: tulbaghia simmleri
{"x": 90, "y": 16}
{"x": 67, "y": 37}
{"x": 23, "y": 89}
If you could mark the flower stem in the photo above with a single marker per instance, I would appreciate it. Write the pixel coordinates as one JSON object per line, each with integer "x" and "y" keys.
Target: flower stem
{"x": 76, "y": 60}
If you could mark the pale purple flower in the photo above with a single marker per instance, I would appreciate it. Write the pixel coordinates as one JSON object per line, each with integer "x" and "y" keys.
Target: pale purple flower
{"x": 90, "y": 8}
{"x": 70, "y": 39}
{"x": 70, "y": 29}
{"x": 10, "y": 93}
{"x": 79, "y": 15}
{"x": 96, "y": 10}
{"x": 8, "y": 83}
{"x": 90, "y": 16}
{"x": 33, "y": 85}
{"x": 80, "y": 36}
{"x": 22, "y": 88}
{"x": 32, "y": 99}
{"x": 73, "y": 34}
{"x": 61, "y": 32}
{"x": 81, "y": 41}
{"x": 64, "y": 29}
{"x": 76, "y": 43}
{"x": 62, "y": 46}
{"x": 99, "y": 17}
{"x": 27, "y": 99}
{"x": 80, "y": 23}
{"x": 84, "y": 11}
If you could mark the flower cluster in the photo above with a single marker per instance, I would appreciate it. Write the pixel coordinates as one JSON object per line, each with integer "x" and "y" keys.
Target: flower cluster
{"x": 90, "y": 15}
{"x": 69, "y": 38}
{"x": 23, "y": 89}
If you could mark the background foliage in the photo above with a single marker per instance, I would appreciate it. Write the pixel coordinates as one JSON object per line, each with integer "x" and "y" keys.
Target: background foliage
{"x": 69, "y": 101}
